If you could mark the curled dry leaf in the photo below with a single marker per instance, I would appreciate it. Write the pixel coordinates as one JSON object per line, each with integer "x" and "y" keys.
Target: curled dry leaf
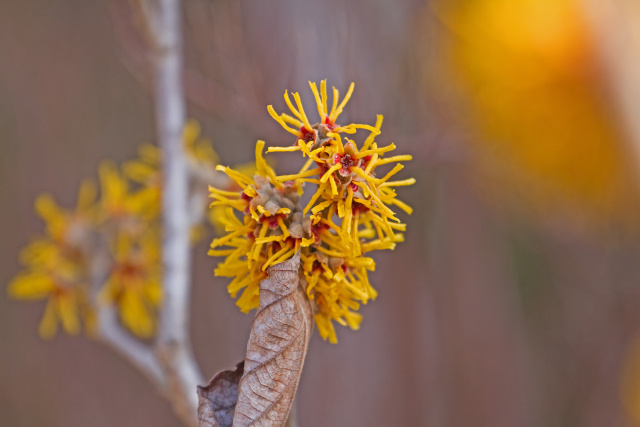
{"x": 275, "y": 354}
{"x": 217, "y": 400}
{"x": 276, "y": 349}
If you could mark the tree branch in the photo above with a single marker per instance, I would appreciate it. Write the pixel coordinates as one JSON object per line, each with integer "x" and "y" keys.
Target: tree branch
{"x": 163, "y": 19}
{"x": 139, "y": 355}
{"x": 110, "y": 331}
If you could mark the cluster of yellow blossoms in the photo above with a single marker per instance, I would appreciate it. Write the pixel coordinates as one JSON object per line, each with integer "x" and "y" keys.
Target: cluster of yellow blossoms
{"x": 107, "y": 250}
{"x": 350, "y": 213}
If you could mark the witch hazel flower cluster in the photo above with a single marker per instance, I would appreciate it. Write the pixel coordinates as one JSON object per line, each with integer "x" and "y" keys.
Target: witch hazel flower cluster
{"x": 106, "y": 253}
{"x": 349, "y": 215}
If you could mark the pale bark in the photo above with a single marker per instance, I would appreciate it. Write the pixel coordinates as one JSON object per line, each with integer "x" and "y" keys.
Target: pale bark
{"x": 163, "y": 19}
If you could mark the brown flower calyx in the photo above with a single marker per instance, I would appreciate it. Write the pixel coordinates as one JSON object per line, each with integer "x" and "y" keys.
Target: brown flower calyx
{"x": 319, "y": 136}
{"x": 271, "y": 201}
{"x": 332, "y": 262}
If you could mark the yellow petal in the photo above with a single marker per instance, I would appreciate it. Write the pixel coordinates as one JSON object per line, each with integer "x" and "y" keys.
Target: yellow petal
{"x": 35, "y": 285}
{"x": 49, "y": 322}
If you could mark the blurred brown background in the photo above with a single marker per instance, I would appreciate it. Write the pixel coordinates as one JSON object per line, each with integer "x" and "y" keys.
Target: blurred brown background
{"x": 515, "y": 299}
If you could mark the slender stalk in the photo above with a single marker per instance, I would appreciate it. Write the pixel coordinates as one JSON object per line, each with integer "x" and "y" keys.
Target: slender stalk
{"x": 111, "y": 333}
{"x": 173, "y": 345}
{"x": 139, "y": 355}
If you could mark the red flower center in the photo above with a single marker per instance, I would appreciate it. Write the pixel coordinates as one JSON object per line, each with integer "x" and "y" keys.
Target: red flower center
{"x": 307, "y": 136}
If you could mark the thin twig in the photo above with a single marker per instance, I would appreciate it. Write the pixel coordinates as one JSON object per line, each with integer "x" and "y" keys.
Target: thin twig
{"x": 111, "y": 332}
{"x": 222, "y": 98}
{"x": 163, "y": 372}
{"x": 139, "y": 355}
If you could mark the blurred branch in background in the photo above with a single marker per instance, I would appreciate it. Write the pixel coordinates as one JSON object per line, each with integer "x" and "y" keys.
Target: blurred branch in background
{"x": 169, "y": 364}
{"x": 163, "y": 20}
{"x": 219, "y": 74}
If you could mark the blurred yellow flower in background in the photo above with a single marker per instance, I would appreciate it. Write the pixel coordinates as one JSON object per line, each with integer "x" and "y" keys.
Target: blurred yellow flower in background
{"x": 56, "y": 266}
{"x": 118, "y": 199}
{"x": 134, "y": 284}
{"x": 200, "y": 155}
{"x": 548, "y": 140}
{"x": 119, "y": 231}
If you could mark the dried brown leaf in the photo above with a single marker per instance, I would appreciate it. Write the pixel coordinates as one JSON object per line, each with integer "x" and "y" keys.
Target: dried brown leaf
{"x": 276, "y": 349}
{"x": 217, "y": 400}
{"x": 261, "y": 392}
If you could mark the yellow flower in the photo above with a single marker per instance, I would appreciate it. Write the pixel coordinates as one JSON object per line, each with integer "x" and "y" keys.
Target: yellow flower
{"x": 55, "y": 266}
{"x": 274, "y": 226}
{"x": 271, "y": 231}
{"x": 201, "y": 161}
{"x": 200, "y": 156}
{"x": 345, "y": 175}
{"x": 119, "y": 202}
{"x": 134, "y": 283}
{"x": 336, "y": 285}
{"x": 67, "y": 302}
{"x": 217, "y": 213}
{"x": 549, "y": 143}
{"x": 63, "y": 226}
